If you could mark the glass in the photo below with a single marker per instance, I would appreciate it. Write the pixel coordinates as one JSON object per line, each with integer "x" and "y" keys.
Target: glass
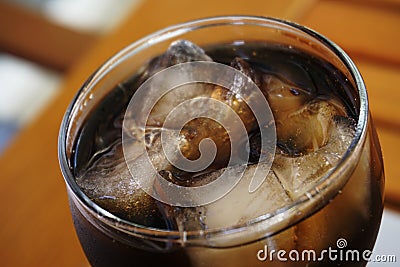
{"x": 338, "y": 218}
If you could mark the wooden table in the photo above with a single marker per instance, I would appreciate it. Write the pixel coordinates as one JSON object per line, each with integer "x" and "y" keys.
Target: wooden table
{"x": 36, "y": 227}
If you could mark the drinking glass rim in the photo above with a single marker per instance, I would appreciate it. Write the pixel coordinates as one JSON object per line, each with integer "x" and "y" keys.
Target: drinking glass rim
{"x": 278, "y": 215}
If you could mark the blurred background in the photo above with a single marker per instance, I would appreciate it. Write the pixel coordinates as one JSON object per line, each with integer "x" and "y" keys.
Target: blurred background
{"x": 49, "y": 47}
{"x": 31, "y": 70}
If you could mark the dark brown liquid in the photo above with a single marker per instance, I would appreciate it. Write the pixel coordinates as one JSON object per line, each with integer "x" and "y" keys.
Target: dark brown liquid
{"x": 100, "y": 136}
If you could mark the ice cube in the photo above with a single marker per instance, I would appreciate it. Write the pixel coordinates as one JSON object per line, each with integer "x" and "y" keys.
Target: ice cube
{"x": 299, "y": 174}
{"x": 173, "y": 98}
{"x": 239, "y": 206}
{"x": 303, "y": 119}
{"x": 238, "y": 103}
{"x": 306, "y": 129}
{"x": 111, "y": 186}
{"x": 244, "y": 67}
{"x": 284, "y": 97}
{"x": 179, "y": 51}
{"x": 209, "y": 116}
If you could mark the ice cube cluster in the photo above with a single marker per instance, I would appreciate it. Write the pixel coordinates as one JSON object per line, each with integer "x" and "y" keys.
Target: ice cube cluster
{"x": 313, "y": 133}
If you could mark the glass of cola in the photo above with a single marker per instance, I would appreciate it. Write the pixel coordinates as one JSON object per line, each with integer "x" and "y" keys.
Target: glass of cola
{"x": 225, "y": 141}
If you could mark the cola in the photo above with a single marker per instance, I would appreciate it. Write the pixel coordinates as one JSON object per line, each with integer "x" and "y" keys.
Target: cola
{"x": 315, "y": 115}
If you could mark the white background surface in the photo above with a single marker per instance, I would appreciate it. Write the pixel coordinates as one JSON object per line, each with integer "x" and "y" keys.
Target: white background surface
{"x": 388, "y": 242}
